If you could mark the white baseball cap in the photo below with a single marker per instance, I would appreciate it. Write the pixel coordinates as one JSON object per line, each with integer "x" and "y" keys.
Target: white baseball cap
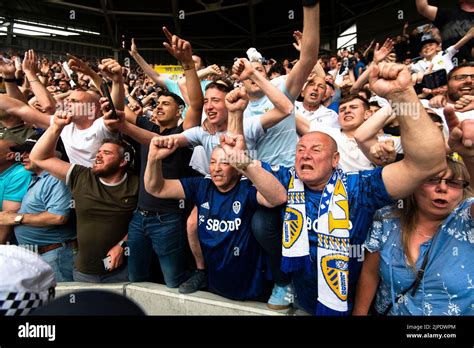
{"x": 26, "y": 281}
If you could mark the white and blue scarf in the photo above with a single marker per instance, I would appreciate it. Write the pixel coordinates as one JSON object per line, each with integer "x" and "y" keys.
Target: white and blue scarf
{"x": 333, "y": 241}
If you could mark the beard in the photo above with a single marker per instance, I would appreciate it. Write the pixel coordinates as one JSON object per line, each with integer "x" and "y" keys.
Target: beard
{"x": 106, "y": 170}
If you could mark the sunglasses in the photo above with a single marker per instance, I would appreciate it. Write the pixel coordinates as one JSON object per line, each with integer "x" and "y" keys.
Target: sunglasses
{"x": 453, "y": 183}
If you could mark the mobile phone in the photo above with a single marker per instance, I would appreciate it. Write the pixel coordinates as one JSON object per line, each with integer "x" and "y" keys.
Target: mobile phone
{"x": 105, "y": 92}
{"x": 431, "y": 81}
{"x": 436, "y": 79}
{"x": 69, "y": 73}
{"x": 107, "y": 262}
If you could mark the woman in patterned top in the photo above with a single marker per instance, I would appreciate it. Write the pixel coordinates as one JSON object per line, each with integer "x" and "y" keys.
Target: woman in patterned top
{"x": 421, "y": 251}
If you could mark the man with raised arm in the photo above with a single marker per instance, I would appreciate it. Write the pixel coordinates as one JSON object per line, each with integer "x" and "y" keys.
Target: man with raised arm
{"x": 105, "y": 197}
{"x": 226, "y": 200}
{"x": 84, "y": 135}
{"x": 329, "y": 212}
{"x": 278, "y": 145}
{"x": 157, "y": 224}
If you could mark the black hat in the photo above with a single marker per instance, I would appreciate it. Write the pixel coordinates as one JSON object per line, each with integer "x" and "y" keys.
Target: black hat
{"x": 428, "y": 38}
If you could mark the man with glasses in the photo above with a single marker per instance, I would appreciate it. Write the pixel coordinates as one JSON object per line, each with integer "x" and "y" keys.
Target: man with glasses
{"x": 460, "y": 94}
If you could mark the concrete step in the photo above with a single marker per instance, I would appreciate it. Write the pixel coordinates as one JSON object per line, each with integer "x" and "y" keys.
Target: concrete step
{"x": 157, "y": 299}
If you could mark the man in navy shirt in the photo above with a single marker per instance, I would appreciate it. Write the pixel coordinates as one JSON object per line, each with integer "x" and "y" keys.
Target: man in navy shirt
{"x": 316, "y": 160}
{"x": 226, "y": 200}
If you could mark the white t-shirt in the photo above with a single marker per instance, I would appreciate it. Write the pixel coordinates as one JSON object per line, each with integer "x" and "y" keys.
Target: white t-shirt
{"x": 352, "y": 159}
{"x": 443, "y": 60}
{"x": 322, "y": 115}
{"x": 468, "y": 115}
{"x": 82, "y": 144}
{"x": 196, "y": 136}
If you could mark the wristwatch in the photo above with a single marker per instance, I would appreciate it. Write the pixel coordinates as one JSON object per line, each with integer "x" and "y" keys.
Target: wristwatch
{"x": 123, "y": 244}
{"x": 19, "y": 219}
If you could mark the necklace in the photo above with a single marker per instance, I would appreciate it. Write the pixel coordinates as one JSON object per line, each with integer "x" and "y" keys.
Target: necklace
{"x": 424, "y": 235}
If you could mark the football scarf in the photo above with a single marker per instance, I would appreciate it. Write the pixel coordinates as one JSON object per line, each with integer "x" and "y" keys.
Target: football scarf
{"x": 333, "y": 241}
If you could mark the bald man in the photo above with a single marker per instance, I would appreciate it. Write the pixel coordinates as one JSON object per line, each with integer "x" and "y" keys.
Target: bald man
{"x": 328, "y": 212}
{"x": 83, "y": 137}
{"x": 311, "y": 107}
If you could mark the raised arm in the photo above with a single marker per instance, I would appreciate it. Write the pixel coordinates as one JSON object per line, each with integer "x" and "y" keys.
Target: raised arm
{"x": 182, "y": 51}
{"x": 465, "y": 39}
{"x": 366, "y": 134}
{"x": 461, "y": 140}
{"x": 7, "y": 69}
{"x": 243, "y": 70}
{"x": 147, "y": 69}
{"x": 43, "y": 97}
{"x": 426, "y": 10}
{"x": 43, "y": 153}
{"x": 202, "y": 74}
{"x": 309, "y": 51}
{"x": 155, "y": 184}
{"x": 236, "y": 101}
{"x": 24, "y": 111}
{"x": 270, "y": 192}
{"x": 113, "y": 71}
{"x": 80, "y": 66}
{"x": 422, "y": 142}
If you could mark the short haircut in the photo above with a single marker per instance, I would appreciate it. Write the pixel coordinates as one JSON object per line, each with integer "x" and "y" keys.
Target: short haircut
{"x": 463, "y": 65}
{"x": 367, "y": 92}
{"x": 204, "y": 61}
{"x": 221, "y": 84}
{"x": 352, "y": 97}
{"x": 176, "y": 97}
{"x": 277, "y": 68}
{"x": 374, "y": 103}
{"x": 125, "y": 148}
{"x": 330, "y": 85}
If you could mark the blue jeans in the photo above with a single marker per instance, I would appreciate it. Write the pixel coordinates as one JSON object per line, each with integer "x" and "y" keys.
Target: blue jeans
{"x": 120, "y": 275}
{"x": 267, "y": 229}
{"x": 163, "y": 234}
{"x": 61, "y": 261}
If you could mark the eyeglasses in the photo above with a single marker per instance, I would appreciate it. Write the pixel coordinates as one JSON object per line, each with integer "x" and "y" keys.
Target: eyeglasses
{"x": 453, "y": 183}
{"x": 462, "y": 77}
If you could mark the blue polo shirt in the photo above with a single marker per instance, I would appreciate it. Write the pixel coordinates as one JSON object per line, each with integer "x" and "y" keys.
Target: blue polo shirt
{"x": 45, "y": 193}
{"x": 14, "y": 183}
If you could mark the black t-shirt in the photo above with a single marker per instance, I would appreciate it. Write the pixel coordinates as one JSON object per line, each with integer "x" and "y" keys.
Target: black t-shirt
{"x": 454, "y": 23}
{"x": 175, "y": 166}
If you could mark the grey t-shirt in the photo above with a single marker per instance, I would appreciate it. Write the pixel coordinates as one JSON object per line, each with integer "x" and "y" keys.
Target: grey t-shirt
{"x": 253, "y": 131}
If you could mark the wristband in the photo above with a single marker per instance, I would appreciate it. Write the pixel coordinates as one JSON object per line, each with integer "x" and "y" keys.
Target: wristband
{"x": 35, "y": 80}
{"x": 10, "y": 80}
{"x": 187, "y": 67}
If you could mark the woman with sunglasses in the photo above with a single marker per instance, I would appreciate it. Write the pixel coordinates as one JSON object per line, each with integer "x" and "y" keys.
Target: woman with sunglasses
{"x": 420, "y": 258}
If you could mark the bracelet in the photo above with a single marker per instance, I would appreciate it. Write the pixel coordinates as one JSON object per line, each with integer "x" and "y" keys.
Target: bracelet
{"x": 10, "y": 80}
{"x": 35, "y": 80}
{"x": 188, "y": 67}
